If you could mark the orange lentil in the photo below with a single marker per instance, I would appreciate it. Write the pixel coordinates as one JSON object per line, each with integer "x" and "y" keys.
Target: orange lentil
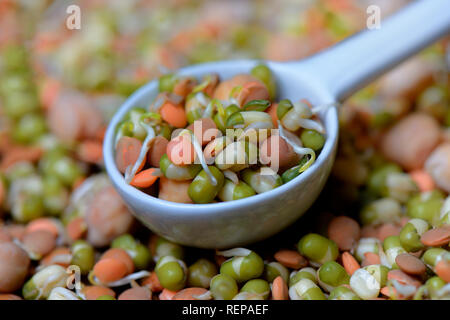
{"x": 387, "y": 230}
{"x": 19, "y": 154}
{"x": 138, "y": 293}
{"x": 90, "y": 151}
{"x": 157, "y": 150}
{"x": 344, "y": 231}
{"x": 173, "y": 114}
{"x": 423, "y": 180}
{"x": 189, "y": 294}
{"x": 181, "y": 151}
{"x": 144, "y": 179}
{"x": 208, "y": 131}
{"x": 122, "y": 255}
{"x": 410, "y": 264}
{"x": 403, "y": 278}
{"x": 93, "y": 292}
{"x": 253, "y": 90}
{"x": 280, "y": 289}
{"x": 40, "y": 242}
{"x": 76, "y": 228}
{"x": 9, "y": 296}
{"x": 2, "y": 193}
{"x": 442, "y": 269}
{"x": 369, "y": 231}
{"x": 127, "y": 152}
{"x": 370, "y": 258}
{"x": 291, "y": 259}
{"x": 153, "y": 283}
{"x": 44, "y": 224}
{"x": 167, "y": 294}
{"x": 272, "y": 111}
{"x": 184, "y": 87}
{"x": 60, "y": 256}
{"x": 109, "y": 270}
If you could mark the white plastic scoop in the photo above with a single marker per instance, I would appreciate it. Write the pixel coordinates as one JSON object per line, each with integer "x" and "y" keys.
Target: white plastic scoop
{"x": 325, "y": 78}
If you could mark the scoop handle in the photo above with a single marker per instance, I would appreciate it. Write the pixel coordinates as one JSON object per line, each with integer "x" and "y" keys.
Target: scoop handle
{"x": 353, "y": 63}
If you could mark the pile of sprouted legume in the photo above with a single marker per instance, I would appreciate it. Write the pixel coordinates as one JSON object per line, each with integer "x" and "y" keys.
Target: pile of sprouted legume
{"x": 217, "y": 140}
{"x": 382, "y": 228}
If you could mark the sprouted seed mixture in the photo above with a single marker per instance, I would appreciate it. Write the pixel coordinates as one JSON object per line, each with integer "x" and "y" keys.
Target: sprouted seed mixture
{"x": 379, "y": 230}
{"x": 217, "y": 140}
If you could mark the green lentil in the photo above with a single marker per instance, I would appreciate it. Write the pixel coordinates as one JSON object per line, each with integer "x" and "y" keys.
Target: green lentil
{"x": 318, "y": 248}
{"x": 257, "y": 286}
{"x": 201, "y": 273}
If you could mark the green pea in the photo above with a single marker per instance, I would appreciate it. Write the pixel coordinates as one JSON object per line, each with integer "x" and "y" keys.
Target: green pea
{"x": 377, "y": 179}
{"x": 83, "y": 255}
{"x": 263, "y": 73}
{"x": 202, "y": 190}
{"x": 257, "y": 286}
{"x": 275, "y": 269}
{"x": 106, "y": 297}
{"x": 243, "y": 268}
{"x": 223, "y": 287}
{"x": 29, "y": 128}
{"x": 410, "y": 235}
{"x": 332, "y": 274}
{"x": 318, "y": 248}
{"x": 283, "y": 107}
{"x": 171, "y": 273}
{"x": 232, "y": 191}
{"x": 201, "y": 273}
{"x": 167, "y": 82}
{"x": 342, "y": 293}
{"x": 138, "y": 252}
{"x": 164, "y": 248}
{"x": 306, "y": 289}
{"x": 312, "y": 139}
{"x": 305, "y": 273}
{"x": 56, "y": 196}
{"x": 426, "y": 206}
{"x": 178, "y": 173}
